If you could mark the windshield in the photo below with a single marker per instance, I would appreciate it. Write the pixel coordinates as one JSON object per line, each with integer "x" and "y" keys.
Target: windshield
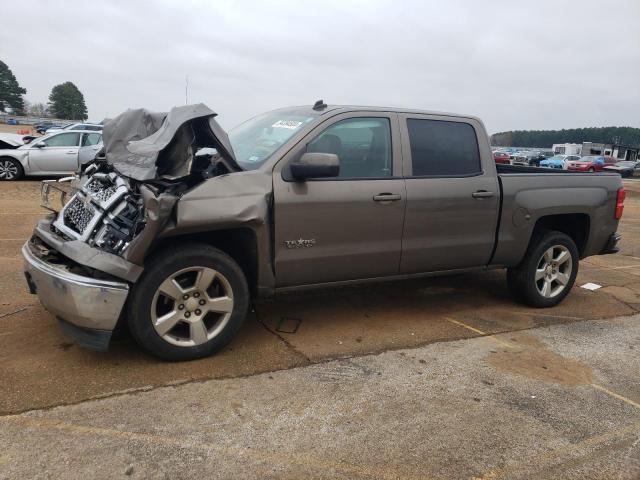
{"x": 255, "y": 140}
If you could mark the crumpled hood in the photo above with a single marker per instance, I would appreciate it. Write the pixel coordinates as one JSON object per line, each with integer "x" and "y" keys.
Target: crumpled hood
{"x": 11, "y": 140}
{"x": 146, "y": 145}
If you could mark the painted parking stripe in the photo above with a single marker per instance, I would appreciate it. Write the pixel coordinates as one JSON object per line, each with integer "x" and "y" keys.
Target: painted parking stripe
{"x": 480, "y": 332}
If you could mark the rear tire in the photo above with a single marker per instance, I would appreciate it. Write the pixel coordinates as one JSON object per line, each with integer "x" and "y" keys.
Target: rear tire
{"x": 189, "y": 302}
{"x": 547, "y": 271}
{"x": 10, "y": 169}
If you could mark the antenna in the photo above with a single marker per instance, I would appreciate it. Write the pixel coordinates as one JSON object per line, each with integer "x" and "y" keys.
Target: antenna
{"x": 186, "y": 89}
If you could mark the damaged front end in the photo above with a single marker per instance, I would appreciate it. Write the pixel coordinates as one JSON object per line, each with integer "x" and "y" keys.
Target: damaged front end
{"x": 83, "y": 257}
{"x": 123, "y": 199}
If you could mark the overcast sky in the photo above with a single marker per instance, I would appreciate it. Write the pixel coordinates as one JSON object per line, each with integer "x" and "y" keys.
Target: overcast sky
{"x": 516, "y": 64}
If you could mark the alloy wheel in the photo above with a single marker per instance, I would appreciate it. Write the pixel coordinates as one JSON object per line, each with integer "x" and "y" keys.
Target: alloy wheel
{"x": 553, "y": 271}
{"x": 192, "y": 306}
{"x": 8, "y": 170}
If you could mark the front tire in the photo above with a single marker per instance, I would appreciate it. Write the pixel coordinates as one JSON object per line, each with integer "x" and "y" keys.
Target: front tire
{"x": 10, "y": 169}
{"x": 547, "y": 272}
{"x": 189, "y": 302}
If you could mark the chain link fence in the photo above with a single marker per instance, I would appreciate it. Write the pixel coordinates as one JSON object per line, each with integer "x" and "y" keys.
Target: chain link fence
{"x": 27, "y": 120}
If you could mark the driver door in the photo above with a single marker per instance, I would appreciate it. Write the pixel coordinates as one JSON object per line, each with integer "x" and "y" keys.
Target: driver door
{"x": 59, "y": 154}
{"x": 347, "y": 227}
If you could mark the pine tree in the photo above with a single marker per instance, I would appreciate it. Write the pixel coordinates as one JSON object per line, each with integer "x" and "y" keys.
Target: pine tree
{"x": 67, "y": 102}
{"x": 10, "y": 90}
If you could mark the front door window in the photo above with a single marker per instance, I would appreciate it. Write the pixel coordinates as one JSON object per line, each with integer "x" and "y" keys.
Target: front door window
{"x": 363, "y": 146}
{"x": 63, "y": 140}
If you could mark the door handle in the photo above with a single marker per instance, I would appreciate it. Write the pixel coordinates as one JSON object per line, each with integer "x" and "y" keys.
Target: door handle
{"x": 482, "y": 194}
{"x": 386, "y": 197}
{"x": 71, "y": 152}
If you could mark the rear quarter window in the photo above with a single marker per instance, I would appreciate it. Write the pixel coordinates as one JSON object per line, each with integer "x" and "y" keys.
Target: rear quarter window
{"x": 443, "y": 149}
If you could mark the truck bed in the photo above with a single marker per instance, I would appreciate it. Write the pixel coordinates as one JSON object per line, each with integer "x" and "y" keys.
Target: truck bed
{"x": 528, "y": 193}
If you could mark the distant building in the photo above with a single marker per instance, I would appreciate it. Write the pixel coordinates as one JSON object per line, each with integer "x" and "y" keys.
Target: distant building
{"x": 567, "y": 148}
{"x": 621, "y": 152}
{"x": 590, "y": 148}
{"x": 624, "y": 152}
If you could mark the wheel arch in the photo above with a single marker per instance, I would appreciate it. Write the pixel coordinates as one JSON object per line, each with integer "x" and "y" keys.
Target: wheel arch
{"x": 21, "y": 161}
{"x": 240, "y": 244}
{"x": 575, "y": 225}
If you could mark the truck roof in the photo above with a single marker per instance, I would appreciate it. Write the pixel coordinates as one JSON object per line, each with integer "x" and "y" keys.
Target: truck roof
{"x": 358, "y": 108}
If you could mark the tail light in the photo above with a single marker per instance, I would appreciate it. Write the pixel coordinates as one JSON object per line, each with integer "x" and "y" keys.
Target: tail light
{"x": 620, "y": 203}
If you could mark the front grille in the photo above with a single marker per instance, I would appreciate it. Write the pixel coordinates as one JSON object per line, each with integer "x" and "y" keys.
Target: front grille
{"x": 99, "y": 190}
{"x": 77, "y": 215}
{"x": 95, "y": 199}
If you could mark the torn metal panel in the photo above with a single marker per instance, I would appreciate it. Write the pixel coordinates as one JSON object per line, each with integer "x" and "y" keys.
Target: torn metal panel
{"x": 239, "y": 198}
{"x": 158, "y": 210}
{"x": 84, "y": 254}
{"x": 145, "y": 145}
{"x": 11, "y": 140}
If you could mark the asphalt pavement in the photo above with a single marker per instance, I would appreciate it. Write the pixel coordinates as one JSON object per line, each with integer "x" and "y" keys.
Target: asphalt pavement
{"x": 436, "y": 378}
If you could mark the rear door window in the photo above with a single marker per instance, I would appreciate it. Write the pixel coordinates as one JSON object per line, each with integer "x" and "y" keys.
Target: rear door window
{"x": 443, "y": 149}
{"x": 91, "y": 139}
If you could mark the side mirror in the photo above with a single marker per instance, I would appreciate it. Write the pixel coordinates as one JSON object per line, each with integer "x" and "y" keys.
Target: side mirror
{"x": 315, "y": 165}
{"x": 39, "y": 145}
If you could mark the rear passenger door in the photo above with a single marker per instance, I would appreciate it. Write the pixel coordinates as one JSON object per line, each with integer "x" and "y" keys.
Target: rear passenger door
{"x": 90, "y": 146}
{"x": 452, "y": 194}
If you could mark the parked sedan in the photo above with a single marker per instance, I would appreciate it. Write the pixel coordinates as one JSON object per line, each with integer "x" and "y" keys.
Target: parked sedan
{"x": 589, "y": 163}
{"x": 76, "y": 126}
{"x": 55, "y": 154}
{"x": 41, "y": 128}
{"x": 625, "y": 168}
{"x": 502, "y": 158}
{"x": 528, "y": 158}
{"x": 558, "y": 161}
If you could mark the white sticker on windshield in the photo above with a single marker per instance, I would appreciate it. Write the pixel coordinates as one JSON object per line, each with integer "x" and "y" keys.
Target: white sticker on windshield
{"x": 291, "y": 124}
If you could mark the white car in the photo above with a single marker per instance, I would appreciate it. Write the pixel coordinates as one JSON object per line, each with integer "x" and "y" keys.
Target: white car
{"x": 77, "y": 126}
{"x": 53, "y": 154}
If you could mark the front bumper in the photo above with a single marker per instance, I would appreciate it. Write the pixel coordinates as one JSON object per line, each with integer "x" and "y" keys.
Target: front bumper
{"x": 91, "y": 305}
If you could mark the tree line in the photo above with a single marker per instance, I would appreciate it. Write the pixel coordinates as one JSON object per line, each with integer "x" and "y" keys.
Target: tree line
{"x": 65, "y": 100}
{"x": 545, "y": 138}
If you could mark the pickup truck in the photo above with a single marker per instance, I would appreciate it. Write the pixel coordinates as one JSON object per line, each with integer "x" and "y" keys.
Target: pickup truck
{"x": 56, "y": 154}
{"x": 177, "y": 227}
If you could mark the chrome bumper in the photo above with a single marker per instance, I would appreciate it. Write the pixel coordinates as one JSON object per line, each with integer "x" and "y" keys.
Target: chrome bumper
{"x": 84, "y": 302}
